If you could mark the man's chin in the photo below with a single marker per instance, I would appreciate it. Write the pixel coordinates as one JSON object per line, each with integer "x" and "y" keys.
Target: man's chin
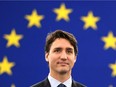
{"x": 62, "y": 72}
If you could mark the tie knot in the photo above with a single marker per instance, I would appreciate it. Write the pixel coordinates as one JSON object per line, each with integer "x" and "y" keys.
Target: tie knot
{"x": 61, "y": 85}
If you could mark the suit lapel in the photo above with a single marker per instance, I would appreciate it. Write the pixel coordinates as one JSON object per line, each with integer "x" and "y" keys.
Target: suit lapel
{"x": 73, "y": 83}
{"x": 76, "y": 84}
{"x": 46, "y": 83}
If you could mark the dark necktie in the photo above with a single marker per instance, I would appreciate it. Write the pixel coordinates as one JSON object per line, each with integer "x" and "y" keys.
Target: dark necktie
{"x": 61, "y": 85}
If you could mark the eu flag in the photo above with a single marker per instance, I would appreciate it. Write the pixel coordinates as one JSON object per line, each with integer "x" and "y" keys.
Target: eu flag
{"x": 23, "y": 29}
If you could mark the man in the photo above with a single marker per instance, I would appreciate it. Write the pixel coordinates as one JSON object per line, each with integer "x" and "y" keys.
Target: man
{"x": 60, "y": 52}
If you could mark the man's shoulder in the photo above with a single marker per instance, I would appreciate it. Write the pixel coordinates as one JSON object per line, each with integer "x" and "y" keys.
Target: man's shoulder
{"x": 77, "y": 84}
{"x": 39, "y": 84}
{"x": 43, "y": 83}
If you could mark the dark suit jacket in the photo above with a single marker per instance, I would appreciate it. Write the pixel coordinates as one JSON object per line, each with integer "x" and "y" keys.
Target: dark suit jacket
{"x": 45, "y": 83}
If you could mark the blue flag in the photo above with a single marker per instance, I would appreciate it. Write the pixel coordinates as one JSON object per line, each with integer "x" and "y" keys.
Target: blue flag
{"x": 25, "y": 25}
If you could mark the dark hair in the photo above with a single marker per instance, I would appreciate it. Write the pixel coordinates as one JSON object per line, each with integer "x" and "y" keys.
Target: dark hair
{"x": 51, "y": 37}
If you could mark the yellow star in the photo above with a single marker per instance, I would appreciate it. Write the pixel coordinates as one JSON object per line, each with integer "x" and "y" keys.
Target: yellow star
{"x": 13, "y": 39}
{"x": 110, "y": 85}
{"x": 13, "y": 85}
{"x": 90, "y": 21}
{"x": 110, "y": 41}
{"x": 5, "y": 66}
{"x": 34, "y": 19}
{"x": 62, "y": 12}
{"x": 113, "y": 67}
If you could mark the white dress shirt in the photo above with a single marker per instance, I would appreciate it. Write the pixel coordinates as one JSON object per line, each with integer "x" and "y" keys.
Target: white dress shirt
{"x": 55, "y": 83}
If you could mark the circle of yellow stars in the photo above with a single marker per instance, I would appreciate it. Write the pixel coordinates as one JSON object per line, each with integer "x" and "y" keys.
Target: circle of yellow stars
{"x": 90, "y": 21}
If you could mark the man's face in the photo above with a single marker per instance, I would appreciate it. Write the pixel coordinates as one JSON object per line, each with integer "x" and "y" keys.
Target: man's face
{"x": 61, "y": 56}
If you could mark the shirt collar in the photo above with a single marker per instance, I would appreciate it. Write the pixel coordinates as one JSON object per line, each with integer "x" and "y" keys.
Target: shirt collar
{"x": 54, "y": 82}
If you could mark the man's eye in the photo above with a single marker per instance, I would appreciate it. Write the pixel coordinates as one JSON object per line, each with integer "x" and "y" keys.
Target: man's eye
{"x": 57, "y": 51}
{"x": 69, "y": 51}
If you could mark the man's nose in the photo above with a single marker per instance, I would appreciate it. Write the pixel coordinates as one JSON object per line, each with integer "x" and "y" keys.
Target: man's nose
{"x": 63, "y": 55}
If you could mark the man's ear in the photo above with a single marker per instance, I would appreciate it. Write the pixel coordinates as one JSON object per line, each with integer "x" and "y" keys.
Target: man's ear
{"x": 75, "y": 58}
{"x": 46, "y": 57}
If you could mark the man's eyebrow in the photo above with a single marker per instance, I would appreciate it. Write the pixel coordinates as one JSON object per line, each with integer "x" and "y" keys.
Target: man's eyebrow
{"x": 57, "y": 48}
{"x": 69, "y": 48}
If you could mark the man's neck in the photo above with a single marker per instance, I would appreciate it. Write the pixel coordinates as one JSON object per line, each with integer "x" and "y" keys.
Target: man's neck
{"x": 61, "y": 77}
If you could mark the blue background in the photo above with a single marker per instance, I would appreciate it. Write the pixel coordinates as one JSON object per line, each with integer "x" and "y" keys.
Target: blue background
{"x": 92, "y": 66}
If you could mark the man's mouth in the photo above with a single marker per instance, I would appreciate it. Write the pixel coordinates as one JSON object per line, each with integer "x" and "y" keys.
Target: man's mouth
{"x": 63, "y": 63}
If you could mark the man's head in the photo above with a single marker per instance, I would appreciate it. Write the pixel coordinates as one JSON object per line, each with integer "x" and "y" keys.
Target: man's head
{"x": 60, "y": 34}
{"x": 61, "y": 51}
